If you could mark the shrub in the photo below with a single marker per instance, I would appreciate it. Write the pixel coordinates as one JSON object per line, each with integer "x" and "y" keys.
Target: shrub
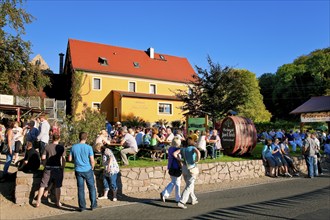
{"x": 90, "y": 121}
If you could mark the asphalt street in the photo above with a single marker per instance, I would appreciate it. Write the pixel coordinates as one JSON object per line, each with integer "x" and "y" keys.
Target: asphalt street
{"x": 296, "y": 198}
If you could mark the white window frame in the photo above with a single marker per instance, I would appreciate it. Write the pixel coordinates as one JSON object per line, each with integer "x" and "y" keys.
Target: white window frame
{"x": 98, "y": 103}
{"x": 165, "y": 103}
{"x": 100, "y": 83}
{"x": 152, "y": 84}
{"x": 135, "y": 86}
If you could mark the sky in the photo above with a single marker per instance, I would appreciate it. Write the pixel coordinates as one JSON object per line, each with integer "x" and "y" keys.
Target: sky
{"x": 259, "y": 36}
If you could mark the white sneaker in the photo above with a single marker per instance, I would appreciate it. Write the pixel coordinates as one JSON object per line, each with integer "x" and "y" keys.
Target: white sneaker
{"x": 114, "y": 199}
{"x": 103, "y": 197}
{"x": 288, "y": 175}
{"x": 194, "y": 202}
{"x": 181, "y": 205}
{"x": 162, "y": 197}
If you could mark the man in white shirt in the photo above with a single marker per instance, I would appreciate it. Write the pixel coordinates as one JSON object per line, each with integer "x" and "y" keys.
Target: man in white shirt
{"x": 129, "y": 144}
{"x": 43, "y": 136}
{"x": 168, "y": 139}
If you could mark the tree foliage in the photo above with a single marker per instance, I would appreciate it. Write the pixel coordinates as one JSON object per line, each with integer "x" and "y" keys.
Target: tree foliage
{"x": 90, "y": 121}
{"x": 16, "y": 72}
{"x": 220, "y": 89}
{"x": 253, "y": 106}
{"x": 295, "y": 83}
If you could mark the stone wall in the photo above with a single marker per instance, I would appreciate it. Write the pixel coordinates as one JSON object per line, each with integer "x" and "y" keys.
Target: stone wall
{"x": 135, "y": 180}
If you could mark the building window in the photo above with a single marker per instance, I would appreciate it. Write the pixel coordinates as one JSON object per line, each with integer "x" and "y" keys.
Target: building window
{"x": 131, "y": 87}
{"x": 115, "y": 113}
{"x": 162, "y": 57}
{"x": 136, "y": 64}
{"x": 96, "y": 105}
{"x": 152, "y": 89}
{"x": 103, "y": 61}
{"x": 164, "y": 108}
{"x": 96, "y": 83}
{"x": 190, "y": 91}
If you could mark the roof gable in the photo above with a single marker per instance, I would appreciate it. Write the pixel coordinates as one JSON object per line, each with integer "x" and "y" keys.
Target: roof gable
{"x": 129, "y": 62}
{"x": 314, "y": 104}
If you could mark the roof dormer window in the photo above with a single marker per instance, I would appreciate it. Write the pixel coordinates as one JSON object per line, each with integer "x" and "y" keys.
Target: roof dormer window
{"x": 103, "y": 61}
{"x": 136, "y": 64}
{"x": 162, "y": 57}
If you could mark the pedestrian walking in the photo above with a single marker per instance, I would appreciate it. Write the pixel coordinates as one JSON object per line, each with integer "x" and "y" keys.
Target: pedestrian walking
{"x": 176, "y": 176}
{"x": 111, "y": 170}
{"x": 83, "y": 157}
{"x": 190, "y": 157}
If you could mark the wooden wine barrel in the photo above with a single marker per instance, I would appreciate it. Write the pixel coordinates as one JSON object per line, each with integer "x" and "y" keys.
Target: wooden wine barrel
{"x": 238, "y": 135}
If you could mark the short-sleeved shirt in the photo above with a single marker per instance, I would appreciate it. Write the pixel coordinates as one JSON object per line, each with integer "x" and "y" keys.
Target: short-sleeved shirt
{"x": 130, "y": 142}
{"x": 53, "y": 153}
{"x": 81, "y": 154}
{"x": 189, "y": 156}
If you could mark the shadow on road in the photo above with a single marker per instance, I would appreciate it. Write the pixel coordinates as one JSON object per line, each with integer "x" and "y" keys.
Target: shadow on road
{"x": 260, "y": 209}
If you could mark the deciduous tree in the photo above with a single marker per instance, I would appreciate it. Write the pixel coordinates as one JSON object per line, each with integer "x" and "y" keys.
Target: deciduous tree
{"x": 16, "y": 72}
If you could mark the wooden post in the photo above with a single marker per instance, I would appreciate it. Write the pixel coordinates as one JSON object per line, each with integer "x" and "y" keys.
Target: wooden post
{"x": 18, "y": 110}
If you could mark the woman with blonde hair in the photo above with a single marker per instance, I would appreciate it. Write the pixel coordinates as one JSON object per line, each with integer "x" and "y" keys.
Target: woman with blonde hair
{"x": 176, "y": 176}
{"x": 154, "y": 143}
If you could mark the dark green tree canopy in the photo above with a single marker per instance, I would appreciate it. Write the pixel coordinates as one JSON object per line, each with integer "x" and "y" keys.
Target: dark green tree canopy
{"x": 16, "y": 72}
{"x": 295, "y": 83}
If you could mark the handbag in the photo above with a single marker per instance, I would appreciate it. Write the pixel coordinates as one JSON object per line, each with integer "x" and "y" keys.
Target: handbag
{"x": 4, "y": 148}
{"x": 174, "y": 171}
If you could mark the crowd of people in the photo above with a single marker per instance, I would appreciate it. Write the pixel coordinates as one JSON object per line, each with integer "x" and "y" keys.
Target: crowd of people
{"x": 41, "y": 143}
{"x": 276, "y": 151}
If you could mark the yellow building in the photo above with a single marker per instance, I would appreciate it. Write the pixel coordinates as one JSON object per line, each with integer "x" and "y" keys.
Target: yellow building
{"x": 123, "y": 82}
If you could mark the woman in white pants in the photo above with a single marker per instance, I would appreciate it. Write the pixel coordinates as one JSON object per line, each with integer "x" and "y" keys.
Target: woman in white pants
{"x": 190, "y": 157}
{"x": 175, "y": 180}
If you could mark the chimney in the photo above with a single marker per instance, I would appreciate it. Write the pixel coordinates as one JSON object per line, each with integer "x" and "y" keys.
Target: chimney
{"x": 151, "y": 52}
{"x": 61, "y": 62}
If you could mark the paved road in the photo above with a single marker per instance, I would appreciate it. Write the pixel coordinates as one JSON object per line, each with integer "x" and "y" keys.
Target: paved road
{"x": 296, "y": 198}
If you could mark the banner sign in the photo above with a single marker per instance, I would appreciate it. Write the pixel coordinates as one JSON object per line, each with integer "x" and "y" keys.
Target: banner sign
{"x": 315, "y": 117}
{"x": 196, "y": 123}
{"x": 6, "y": 99}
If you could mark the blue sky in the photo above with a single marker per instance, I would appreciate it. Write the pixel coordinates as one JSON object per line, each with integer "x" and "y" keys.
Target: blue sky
{"x": 258, "y": 36}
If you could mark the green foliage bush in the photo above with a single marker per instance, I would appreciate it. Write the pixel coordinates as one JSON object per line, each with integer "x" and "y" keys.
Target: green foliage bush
{"x": 90, "y": 121}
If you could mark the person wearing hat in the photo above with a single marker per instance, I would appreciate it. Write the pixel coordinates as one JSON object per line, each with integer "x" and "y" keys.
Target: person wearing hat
{"x": 129, "y": 144}
{"x": 43, "y": 136}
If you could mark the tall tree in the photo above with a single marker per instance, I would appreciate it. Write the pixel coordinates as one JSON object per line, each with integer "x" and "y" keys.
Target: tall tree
{"x": 296, "y": 82}
{"x": 253, "y": 106}
{"x": 218, "y": 90}
{"x": 16, "y": 72}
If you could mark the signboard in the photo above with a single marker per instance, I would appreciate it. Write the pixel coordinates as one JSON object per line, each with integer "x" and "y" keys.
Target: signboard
{"x": 315, "y": 117}
{"x": 6, "y": 99}
{"x": 196, "y": 123}
{"x": 227, "y": 133}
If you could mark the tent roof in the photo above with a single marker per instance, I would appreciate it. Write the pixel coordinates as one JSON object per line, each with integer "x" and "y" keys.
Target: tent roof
{"x": 314, "y": 104}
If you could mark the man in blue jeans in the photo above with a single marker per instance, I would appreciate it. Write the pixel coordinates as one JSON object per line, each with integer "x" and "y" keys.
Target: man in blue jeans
{"x": 83, "y": 157}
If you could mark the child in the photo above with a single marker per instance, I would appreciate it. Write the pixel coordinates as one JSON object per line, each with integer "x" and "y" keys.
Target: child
{"x": 111, "y": 169}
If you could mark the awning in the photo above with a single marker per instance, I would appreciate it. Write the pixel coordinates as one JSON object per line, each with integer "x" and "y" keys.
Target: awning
{"x": 314, "y": 104}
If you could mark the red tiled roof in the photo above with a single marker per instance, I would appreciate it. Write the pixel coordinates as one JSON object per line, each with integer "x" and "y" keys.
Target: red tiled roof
{"x": 146, "y": 96}
{"x": 84, "y": 56}
{"x": 314, "y": 104}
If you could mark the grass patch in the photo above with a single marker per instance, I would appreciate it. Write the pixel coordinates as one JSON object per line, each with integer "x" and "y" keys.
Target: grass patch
{"x": 148, "y": 162}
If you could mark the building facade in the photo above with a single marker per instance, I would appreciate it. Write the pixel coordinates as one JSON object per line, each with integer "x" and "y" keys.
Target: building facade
{"x": 126, "y": 82}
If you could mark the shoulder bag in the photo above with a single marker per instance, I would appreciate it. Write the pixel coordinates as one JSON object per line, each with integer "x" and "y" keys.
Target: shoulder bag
{"x": 175, "y": 171}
